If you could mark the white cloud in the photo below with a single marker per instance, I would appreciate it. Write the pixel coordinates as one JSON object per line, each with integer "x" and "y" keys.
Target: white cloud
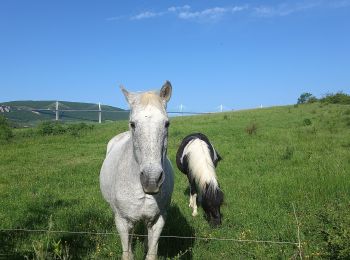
{"x": 146, "y": 15}
{"x": 179, "y": 8}
{"x": 239, "y": 8}
{"x": 264, "y": 11}
{"x": 288, "y": 9}
{"x": 186, "y": 12}
{"x": 210, "y": 13}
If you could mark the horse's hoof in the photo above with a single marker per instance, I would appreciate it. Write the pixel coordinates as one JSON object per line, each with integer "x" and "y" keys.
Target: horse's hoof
{"x": 127, "y": 256}
{"x": 194, "y": 213}
{"x": 151, "y": 257}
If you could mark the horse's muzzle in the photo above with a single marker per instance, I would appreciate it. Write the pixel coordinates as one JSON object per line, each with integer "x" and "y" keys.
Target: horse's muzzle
{"x": 215, "y": 222}
{"x": 152, "y": 181}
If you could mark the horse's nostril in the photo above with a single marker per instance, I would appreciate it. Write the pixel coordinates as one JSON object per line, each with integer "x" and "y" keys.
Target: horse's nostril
{"x": 142, "y": 173}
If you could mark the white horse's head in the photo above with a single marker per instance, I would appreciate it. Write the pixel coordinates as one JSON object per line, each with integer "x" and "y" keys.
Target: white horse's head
{"x": 149, "y": 130}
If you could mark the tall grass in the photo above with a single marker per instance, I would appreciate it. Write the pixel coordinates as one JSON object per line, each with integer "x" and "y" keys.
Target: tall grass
{"x": 285, "y": 161}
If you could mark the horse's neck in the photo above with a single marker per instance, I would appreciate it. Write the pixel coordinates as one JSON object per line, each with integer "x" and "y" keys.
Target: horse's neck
{"x": 129, "y": 151}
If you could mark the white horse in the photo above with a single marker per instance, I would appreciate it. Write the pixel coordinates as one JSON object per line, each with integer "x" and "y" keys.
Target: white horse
{"x": 136, "y": 177}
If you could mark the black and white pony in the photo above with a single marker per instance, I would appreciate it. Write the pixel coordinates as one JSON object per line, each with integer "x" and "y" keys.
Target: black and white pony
{"x": 197, "y": 158}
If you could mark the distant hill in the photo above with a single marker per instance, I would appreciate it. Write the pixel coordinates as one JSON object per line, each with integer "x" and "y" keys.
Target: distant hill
{"x": 28, "y": 112}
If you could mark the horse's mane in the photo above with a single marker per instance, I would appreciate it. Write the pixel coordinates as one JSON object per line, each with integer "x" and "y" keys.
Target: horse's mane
{"x": 200, "y": 164}
{"x": 151, "y": 98}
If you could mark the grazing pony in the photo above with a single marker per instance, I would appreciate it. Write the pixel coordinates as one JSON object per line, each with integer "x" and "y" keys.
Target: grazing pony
{"x": 197, "y": 158}
{"x": 136, "y": 177}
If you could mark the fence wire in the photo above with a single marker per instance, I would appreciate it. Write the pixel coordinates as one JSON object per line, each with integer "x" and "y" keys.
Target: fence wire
{"x": 297, "y": 244}
{"x": 144, "y": 235}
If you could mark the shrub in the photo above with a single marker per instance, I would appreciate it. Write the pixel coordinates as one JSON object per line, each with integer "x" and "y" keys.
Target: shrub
{"x": 347, "y": 112}
{"x": 49, "y": 248}
{"x": 288, "y": 153}
{"x": 51, "y": 128}
{"x": 251, "y": 129}
{"x": 77, "y": 129}
{"x": 5, "y": 130}
{"x": 347, "y": 121}
{"x": 346, "y": 145}
{"x": 57, "y": 128}
{"x": 334, "y": 228}
{"x": 307, "y": 121}
{"x": 313, "y": 130}
{"x": 312, "y": 99}
{"x": 331, "y": 126}
{"x": 337, "y": 98}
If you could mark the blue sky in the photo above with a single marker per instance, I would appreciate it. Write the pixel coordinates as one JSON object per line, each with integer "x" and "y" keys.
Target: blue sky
{"x": 240, "y": 54}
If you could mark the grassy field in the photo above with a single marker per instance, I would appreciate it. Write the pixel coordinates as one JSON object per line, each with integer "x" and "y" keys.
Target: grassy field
{"x": 274, "y": 158}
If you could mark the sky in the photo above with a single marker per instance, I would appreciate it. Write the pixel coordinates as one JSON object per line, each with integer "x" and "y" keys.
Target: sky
{"x": 238, "y": 54}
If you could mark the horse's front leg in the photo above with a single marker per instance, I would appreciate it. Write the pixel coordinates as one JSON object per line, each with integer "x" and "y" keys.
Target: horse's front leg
{"x": 193, "y": 197}
{"x": 153, "y": 237}
{"x": 124, "y": 228}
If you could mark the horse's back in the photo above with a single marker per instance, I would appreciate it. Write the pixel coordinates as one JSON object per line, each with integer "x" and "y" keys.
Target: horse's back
{"x": 117, "y": 140}
{"x": 182, "y": 152}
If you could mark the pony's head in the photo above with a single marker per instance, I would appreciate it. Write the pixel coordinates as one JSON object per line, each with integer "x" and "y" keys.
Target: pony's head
{"x": 149, "y": 130}
{"x": 211, "y": 203}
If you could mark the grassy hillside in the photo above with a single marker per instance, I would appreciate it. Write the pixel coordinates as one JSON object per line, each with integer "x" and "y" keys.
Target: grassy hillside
{"x": 22, "y": 112}
{"x": 273, "y": 158}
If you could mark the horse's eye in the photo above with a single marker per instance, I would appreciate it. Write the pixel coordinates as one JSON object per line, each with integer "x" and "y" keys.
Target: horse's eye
{"x": 132, "y": 124}
{"x": 167, "y": 123}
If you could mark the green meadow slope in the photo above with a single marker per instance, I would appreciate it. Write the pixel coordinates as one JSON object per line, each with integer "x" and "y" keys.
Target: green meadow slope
{"x": 274, "y": 159}
{"x": 22, "y": 113}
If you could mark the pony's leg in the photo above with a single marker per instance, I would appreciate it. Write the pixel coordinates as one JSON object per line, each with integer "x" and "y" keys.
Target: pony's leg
{"x": 153, "y": 237}
{"x": 124, "y": 227}
{"x": 192, "y": 189}
{"x": 191, "y": 203}
{"x": 193, "y": 198}
{"x": 194, "y": 205}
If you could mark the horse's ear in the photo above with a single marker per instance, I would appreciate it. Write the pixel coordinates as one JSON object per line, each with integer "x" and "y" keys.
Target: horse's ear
{"x": 165, "y": 92}
{"x": 126, "y": 93}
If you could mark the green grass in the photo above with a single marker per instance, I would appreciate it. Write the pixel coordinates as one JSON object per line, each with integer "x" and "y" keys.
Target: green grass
{"x": 53, "y": 181}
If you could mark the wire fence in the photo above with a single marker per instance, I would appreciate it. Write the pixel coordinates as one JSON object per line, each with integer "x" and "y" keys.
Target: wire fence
{"x": 297, "y": 244}
{"x": 143, "y": 235}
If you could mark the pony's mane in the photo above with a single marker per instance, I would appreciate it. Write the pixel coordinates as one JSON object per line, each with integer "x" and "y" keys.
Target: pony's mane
{"x": 151, "y": 98}
{"x": 200, "y": 164}
{"x": 212, "y": 195}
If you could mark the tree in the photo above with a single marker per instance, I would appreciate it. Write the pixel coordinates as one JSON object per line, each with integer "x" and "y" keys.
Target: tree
{"x": 306, "y": 98}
